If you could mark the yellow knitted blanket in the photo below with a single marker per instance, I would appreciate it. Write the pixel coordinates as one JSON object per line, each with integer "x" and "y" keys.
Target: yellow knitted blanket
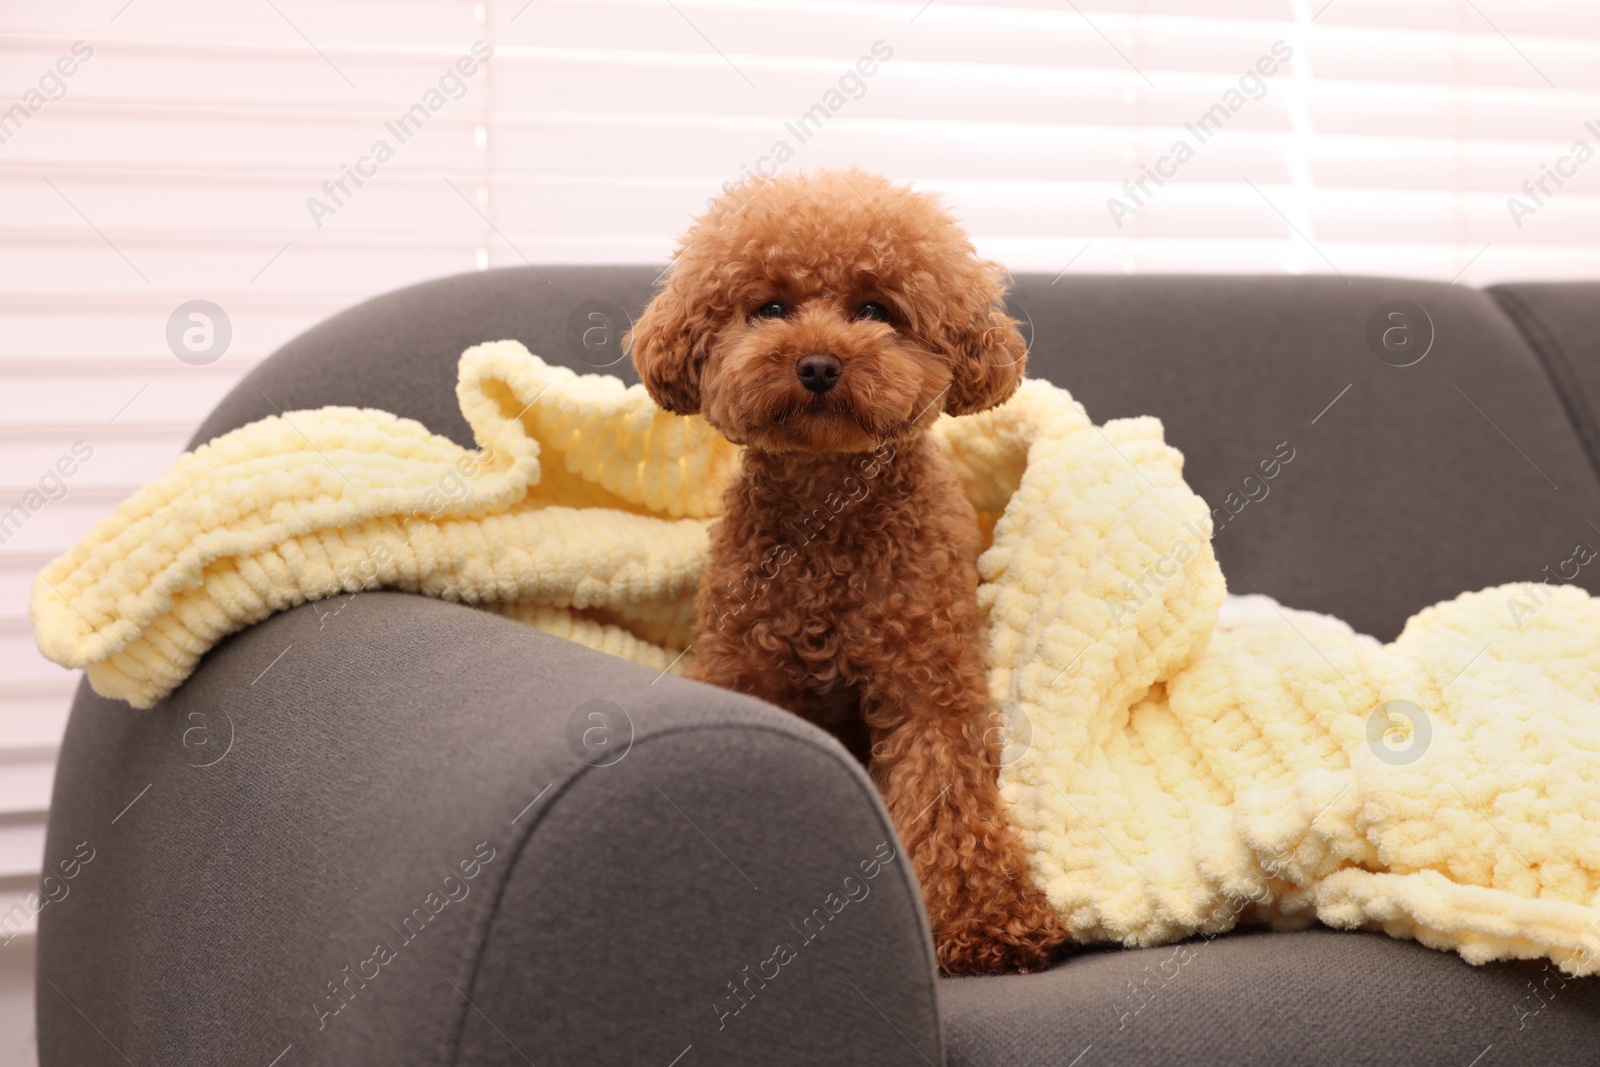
{"x": 1171, "y": 776}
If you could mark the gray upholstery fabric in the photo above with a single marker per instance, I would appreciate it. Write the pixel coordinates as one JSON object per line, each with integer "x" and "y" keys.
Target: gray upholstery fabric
{"x": 398, "y": 352}
{"x": 1268, "y": 999}
{"x": 395, "y": 735}
{"x": 1561, "y": 321}
{"x": 1402, "y": 494}
{"x": 357, "y": 753}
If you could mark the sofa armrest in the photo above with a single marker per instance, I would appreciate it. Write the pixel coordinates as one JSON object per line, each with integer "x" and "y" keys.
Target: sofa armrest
{"x": 394, "y": 830}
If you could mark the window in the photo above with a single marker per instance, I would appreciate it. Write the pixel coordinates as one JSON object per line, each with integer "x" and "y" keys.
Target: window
{"x": 155, "y": 153}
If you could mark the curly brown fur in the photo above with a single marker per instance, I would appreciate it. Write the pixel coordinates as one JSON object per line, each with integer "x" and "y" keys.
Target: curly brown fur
{"x": 842, "y": 581}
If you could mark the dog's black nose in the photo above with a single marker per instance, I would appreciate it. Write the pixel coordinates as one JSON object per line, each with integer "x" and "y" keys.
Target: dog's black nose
{"x": 819, "y": 372}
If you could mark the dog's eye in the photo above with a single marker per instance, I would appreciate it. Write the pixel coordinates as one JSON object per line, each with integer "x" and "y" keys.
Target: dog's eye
{"x": 771, "y": 310}
{"x": 875, "y": 312}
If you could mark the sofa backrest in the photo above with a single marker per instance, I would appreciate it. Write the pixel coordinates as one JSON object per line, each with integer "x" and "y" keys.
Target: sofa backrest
{"x": 1369, "y": 446}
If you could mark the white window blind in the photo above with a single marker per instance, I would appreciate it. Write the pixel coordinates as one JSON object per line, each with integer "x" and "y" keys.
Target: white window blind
{"x": 199, "y": 151}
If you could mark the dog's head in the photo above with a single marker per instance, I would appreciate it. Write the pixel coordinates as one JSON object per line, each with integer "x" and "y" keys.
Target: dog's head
{"x": 827, "y": 313}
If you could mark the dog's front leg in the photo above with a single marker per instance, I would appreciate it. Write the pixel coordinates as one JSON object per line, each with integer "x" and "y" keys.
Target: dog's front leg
{"x": 937, "y": 768}
{"x": 728, "y": 653}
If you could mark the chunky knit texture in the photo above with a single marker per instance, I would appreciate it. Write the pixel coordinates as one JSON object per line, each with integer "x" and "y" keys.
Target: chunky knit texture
{"x": 1169, "y": 775}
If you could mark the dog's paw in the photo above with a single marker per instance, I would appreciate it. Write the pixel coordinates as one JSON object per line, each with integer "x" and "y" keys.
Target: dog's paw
{"x": 1024, "y": 938}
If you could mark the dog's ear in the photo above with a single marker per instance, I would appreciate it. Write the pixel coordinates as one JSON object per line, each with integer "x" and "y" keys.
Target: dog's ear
{"x": 667, "y": 353}
{"x": 987, "y": 352}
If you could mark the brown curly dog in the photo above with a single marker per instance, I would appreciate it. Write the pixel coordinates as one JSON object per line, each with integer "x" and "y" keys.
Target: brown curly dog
{"x": 823, "y": 323}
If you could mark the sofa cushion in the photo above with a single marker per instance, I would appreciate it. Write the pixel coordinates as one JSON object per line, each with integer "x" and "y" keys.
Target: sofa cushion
{"x": 1261, "y": 998}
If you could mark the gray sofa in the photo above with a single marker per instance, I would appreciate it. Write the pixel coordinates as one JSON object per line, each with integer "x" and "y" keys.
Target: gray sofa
{"x": 392, "y": 830}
